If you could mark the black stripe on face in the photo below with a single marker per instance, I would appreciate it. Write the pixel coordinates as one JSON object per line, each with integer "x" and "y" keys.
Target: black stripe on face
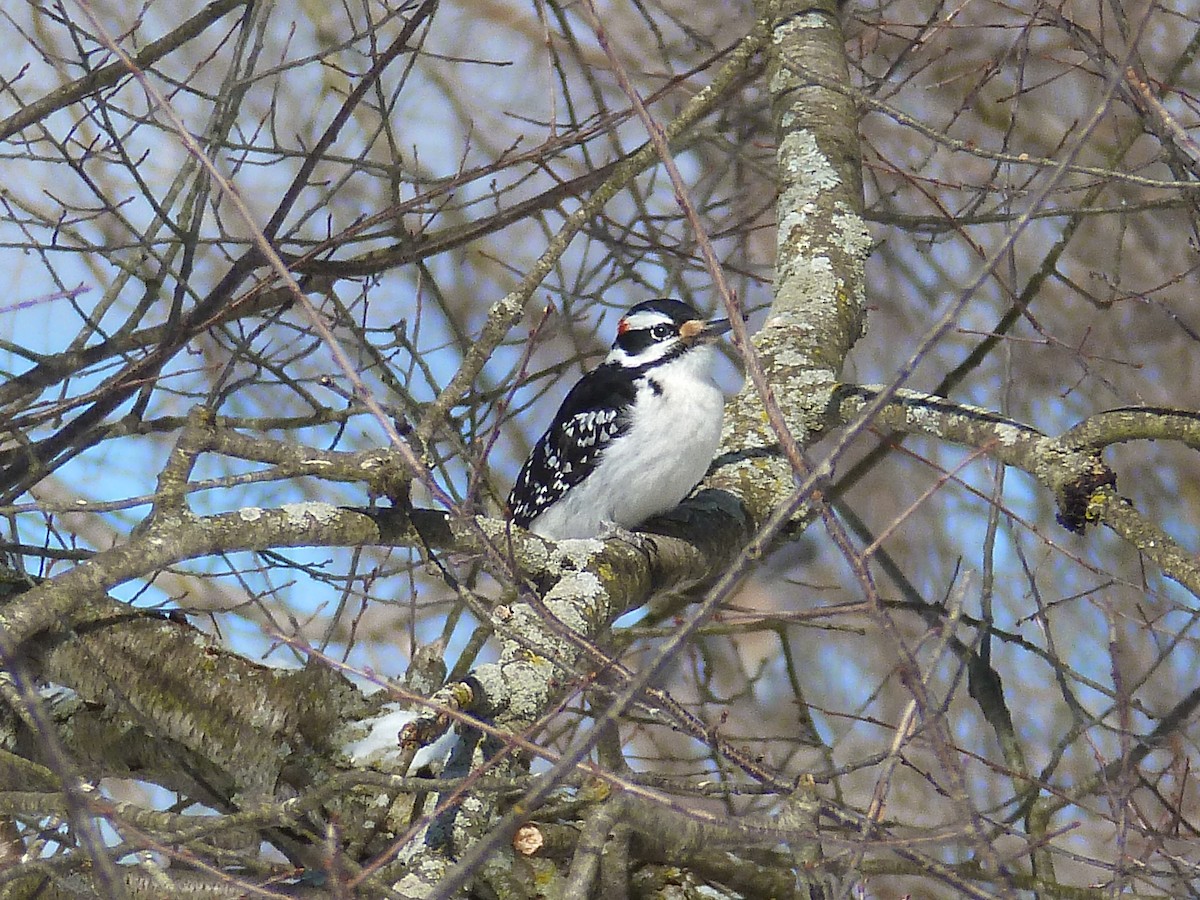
{"x": 644, "y": 333}
{"x": 635, "y": 341}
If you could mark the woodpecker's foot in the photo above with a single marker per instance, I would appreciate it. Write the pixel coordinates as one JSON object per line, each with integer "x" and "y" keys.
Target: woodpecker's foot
{"x": 613, "y": 530}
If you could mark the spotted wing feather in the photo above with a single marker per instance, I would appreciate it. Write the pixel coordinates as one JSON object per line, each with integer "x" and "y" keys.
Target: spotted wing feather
{"x": 591, "y": 416}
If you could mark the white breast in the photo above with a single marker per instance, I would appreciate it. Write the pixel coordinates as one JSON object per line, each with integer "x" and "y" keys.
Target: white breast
{"x": 654, "y": 465}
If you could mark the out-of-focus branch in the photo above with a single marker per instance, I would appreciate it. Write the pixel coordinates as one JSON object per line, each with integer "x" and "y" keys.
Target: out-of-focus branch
{"x": 110, "y": 74}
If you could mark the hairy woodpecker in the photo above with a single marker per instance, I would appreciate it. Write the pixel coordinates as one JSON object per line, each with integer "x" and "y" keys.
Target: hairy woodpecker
{"x": 634, "y": 435}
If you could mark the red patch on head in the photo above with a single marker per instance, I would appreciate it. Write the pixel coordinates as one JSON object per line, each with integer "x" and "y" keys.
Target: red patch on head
{"x": 622, "y": 327}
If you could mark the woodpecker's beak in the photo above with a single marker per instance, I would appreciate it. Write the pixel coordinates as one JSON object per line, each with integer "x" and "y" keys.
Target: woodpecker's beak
{"x": 698, "y": 331}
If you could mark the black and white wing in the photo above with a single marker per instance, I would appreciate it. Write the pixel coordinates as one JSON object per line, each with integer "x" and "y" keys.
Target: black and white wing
{"x": 591, "y": 416}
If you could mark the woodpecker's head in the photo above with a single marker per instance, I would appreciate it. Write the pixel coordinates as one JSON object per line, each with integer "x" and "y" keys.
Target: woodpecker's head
{"x": 657, "y": 330}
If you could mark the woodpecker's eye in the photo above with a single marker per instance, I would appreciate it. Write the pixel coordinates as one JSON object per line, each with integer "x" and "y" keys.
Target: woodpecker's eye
{"x": 661, "y": 332}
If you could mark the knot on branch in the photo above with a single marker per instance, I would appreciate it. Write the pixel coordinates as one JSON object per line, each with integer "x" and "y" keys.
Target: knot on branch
{"x": 1075, "y": 508}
